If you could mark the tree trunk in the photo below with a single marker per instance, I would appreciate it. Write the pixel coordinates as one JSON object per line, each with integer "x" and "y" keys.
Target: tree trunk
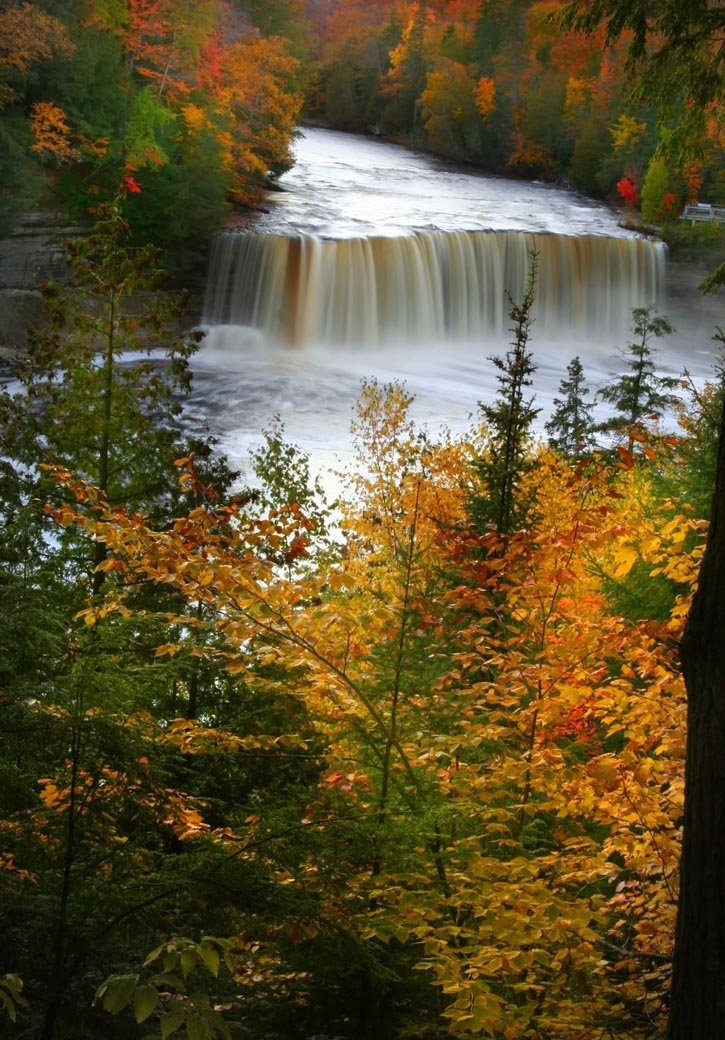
{"x": 697, "y": 1009}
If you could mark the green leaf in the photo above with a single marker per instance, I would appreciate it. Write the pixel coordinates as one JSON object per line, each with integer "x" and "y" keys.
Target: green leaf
{"x": 144, "y": 1001}
{"x": 210, "y": 957}
{"x": 154, "y": 954}
{"x": 170, "y": 1023}
{"x": 14, "y": 984}
{"x": 196, "y": 1030}
{"x": 9, "y": 1005}
{"x": 119, "y": 990}
{"x": 165, "y": 978}
{"x": 188, "y": 961}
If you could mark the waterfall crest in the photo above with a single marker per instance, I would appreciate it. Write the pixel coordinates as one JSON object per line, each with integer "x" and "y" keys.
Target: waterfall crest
{"x": 428, "y": 287}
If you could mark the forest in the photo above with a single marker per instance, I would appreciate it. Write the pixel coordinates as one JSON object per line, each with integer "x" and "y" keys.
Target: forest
{"x": 411, "y": 765}
{"x": 406, "y": 764}
{"x": 198, "y": 102}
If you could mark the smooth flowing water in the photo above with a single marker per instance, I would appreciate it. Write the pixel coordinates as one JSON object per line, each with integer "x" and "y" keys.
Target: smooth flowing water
{"x": 376, "y": 261}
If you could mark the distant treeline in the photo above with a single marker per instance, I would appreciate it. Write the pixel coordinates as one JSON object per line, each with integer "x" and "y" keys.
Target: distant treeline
{"x": 501, "y": 84}
{"x": 195, "y": 105}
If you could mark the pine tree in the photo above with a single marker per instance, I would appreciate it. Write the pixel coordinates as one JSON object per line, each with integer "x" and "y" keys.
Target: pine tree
{"x": 100, "y": 396}
{"x": 571, "y": 426}
{"x": 698, "y": 416}
{"x": 509, "y": 421}
{"x": 639, "y": 394}
{"x": 489, "y": 34}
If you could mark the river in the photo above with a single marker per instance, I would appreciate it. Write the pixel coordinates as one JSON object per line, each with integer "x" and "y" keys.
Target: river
{"x": 375, "y": 261}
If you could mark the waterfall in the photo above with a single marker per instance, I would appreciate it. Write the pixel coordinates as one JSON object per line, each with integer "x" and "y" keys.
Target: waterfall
{"x": 427, "y": 287}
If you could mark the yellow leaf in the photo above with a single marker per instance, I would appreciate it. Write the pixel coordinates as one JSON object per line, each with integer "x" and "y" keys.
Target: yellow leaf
{"x": 167, "y": 650}
{"x": 625, "y": 557}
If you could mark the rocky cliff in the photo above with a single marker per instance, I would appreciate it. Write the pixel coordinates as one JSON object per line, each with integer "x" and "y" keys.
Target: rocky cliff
{"x": 34, "y": 253}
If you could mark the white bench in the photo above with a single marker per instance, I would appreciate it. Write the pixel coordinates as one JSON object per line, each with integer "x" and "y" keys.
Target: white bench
{"x": 703, "y": 211}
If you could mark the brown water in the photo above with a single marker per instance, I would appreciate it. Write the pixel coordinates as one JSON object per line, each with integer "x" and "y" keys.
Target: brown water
{"x": 376, "y": 261}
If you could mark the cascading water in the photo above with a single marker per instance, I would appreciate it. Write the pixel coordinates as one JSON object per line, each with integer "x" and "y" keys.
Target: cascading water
{"x": 426, "y": 287}
{"x": 377, "y": 262}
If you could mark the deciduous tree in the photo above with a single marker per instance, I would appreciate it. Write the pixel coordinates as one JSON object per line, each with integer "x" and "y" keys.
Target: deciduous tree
{"x": 450, "y": 110}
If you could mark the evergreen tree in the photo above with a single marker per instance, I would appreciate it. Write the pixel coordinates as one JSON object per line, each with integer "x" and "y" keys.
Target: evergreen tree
{"x": 698, "y": 417}
{"x": 509, "y": 421}
{"x": 571, "y": 427}
{"x": 639, "y": 393}
{"x": 100, "y": 394}
{"x": 489, "y": 34}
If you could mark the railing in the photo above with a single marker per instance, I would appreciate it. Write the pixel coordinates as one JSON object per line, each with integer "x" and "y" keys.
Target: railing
{"x": 703, "y": 211}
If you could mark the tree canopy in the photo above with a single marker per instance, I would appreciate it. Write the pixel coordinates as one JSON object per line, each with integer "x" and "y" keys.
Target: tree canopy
{"x": 195, "y": 102}
{"x": 200, "y": 107}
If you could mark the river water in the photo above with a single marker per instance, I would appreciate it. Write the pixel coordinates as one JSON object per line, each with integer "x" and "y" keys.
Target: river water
{"x": 363, "y": 232}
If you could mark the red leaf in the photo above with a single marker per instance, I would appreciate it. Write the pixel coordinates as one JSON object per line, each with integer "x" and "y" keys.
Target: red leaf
{"x": 131, "y": 185}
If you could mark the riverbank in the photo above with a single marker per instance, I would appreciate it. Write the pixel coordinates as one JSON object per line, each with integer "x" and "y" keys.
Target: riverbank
{"x": 33, "y": 254}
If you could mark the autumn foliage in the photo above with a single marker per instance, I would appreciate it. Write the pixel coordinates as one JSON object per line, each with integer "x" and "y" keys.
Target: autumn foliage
{"x": 196, "y": 94}
{"x": 207, "y": 96}
{"x": 628, "y": 191}
{"x": 485, "y": 741}
{"x": 415, "y": 775}
{"x": 501, "y": 84}
{"x": 420, "y": 773}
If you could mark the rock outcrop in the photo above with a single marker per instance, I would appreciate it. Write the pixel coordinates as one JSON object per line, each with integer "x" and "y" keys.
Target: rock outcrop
{"x": 33, "y": 254}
